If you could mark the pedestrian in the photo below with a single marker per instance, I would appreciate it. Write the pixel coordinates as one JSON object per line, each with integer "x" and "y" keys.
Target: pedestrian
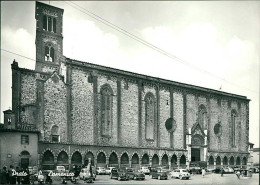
{"x": 12, "y": 175}
{"x": 18, "y": 178}
{"x": 4, "y": 174}
{"x": 222, "y": 172}
{"x": 203, "y": 171}
{"x": 238, "y": 174}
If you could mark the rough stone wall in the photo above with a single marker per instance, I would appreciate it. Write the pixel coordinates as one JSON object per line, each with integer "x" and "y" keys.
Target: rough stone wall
{"x": 164, "y": 115}
{"x": 55, "y": 105}
{"x": 243, "y": 140}
{"x": 178, "y": 117}
{"x": 28, "y": 89}
{"x": 129, "y": 111}
{"x": 214, "y": 114}
{"x": 224, "y": 145}
{"x": 191, "y": 110}
{"x": 147, "y": 143}
{"x": 102, "y": 79}
{"x": 81, "y": 107}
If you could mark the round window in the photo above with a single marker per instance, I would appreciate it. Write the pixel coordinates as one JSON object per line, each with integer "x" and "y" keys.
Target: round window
{"x": 217, "y": 129}
{"x": 170, "y": 125}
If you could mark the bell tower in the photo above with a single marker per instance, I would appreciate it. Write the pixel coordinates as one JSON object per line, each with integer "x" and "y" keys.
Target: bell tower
{"x": 49, "y": 39}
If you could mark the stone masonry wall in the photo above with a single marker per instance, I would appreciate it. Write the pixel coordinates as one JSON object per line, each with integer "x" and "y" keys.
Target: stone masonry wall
{"x": 164, "y": 115}
{"x": 178, "y": 117}
{"x": 55, "y": 104}
{"x": 214, "y": 116}
{"x": 129, "y": 111}
{"x": 82, "y": 107}
{"x": 28, "y": 89}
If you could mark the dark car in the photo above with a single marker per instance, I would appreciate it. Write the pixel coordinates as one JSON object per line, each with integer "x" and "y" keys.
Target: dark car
{"x": 159, "y": 174}
{"x": 134, "y": 174}
{"x": 118, "y": 174}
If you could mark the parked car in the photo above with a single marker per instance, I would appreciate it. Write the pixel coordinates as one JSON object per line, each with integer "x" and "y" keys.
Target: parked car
{"x": 236, "y": 168}
{"x": 101, "y": 171}
{"x": 180, "y": 173}
{"x": 144, "y": 170}
{"x": 228, "y": 170}
{"x": 60, "y": 169}
{"x": 108, "y": 170}
{"x": 85, "y": 173}
{"x": 118, "y": 174}
{"x": 138, "y": 175}
{"x": 159, "y": 174}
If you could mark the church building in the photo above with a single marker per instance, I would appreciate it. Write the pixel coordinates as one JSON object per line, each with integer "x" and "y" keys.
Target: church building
{"x": 79, "y": 110}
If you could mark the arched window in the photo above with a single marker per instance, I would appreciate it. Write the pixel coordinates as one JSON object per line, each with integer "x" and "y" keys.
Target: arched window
{"x": 225, "y": 161}
{"x": 113, "y": 158}
{"x": 202, "y": 116}
{"x": 54, "y": 25}
{"x": 76, "y": 158}
{"x": 44, "y": 22}
{"x": 149, "y": 115}
{"x": 49, "y": 24}
{"x": 233, "y": 125}
{"x": 55, "y": 137}
{"x": 106, "y": 109}
{"x": 48, "y": 161}
{"x": 101, "y": 158}
{"x": 165, "y": 160}
{"x": 49, "y": 54}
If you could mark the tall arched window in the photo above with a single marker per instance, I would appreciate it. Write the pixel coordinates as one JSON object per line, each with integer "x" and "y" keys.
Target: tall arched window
{"x": 54, "y": 25}
{"x": 149, "y": 115}
{"x": 233, "y": 126}
{"x": 202, "y": 116}
{"x": 49, "y": 24}
{"x": 106, "y": 109}
{"x": 49, "y": 53}
{"x": 44, "y": 22}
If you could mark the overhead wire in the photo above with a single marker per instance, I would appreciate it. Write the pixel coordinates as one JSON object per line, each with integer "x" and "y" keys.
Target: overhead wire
{"x": 150, "y": 45}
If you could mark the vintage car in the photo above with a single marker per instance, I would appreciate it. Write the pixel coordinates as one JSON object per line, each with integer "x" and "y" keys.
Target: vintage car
{"x": 118, "y": 174}
{"x": 228, "y": 170}
{"x": 85, "y": 173}
{"x": 159, "y": 174}
{"x": 134, "y": 174}
{"x": 101, "y": 171}
{"x": 108, "y": 170}
{"x": 180, "y": 173}
{"x": 144, "y": 170}
{"x": 60, "y": 169}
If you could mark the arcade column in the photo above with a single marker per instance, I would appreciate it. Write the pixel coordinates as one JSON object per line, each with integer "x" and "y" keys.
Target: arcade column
{"x": 205, "y": 145}
{"x": 188, "y": 144}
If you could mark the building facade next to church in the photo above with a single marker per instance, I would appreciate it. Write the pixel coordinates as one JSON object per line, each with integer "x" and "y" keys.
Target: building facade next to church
{"x": 119, "y": 118}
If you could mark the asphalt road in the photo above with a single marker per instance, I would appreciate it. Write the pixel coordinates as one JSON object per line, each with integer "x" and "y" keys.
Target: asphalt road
{"x": 212, "y": 179}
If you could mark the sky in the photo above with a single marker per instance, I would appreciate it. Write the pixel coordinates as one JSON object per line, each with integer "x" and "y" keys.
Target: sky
{"x": 217, "y": 42}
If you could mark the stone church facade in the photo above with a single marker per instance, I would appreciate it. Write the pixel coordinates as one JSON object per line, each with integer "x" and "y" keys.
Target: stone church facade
{"x": 119, "y": 118}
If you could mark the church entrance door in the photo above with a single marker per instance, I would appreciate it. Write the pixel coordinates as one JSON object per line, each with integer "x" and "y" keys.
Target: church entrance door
{"x": 195, "y": 154}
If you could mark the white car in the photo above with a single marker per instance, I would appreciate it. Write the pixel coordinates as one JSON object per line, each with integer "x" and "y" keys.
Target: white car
{"x": 228, "y": 170}
{"x": 180, "y": 173}
{"x": 144, "y": 170}
{"x": 60, "y": 169}
{"x": 108, "y": 170}
{"x": 84, "y": 173}
{"x": 101, "y": 170}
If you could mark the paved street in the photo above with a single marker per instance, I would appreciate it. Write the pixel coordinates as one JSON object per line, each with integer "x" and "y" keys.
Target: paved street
{"x": 228, "y": 179}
